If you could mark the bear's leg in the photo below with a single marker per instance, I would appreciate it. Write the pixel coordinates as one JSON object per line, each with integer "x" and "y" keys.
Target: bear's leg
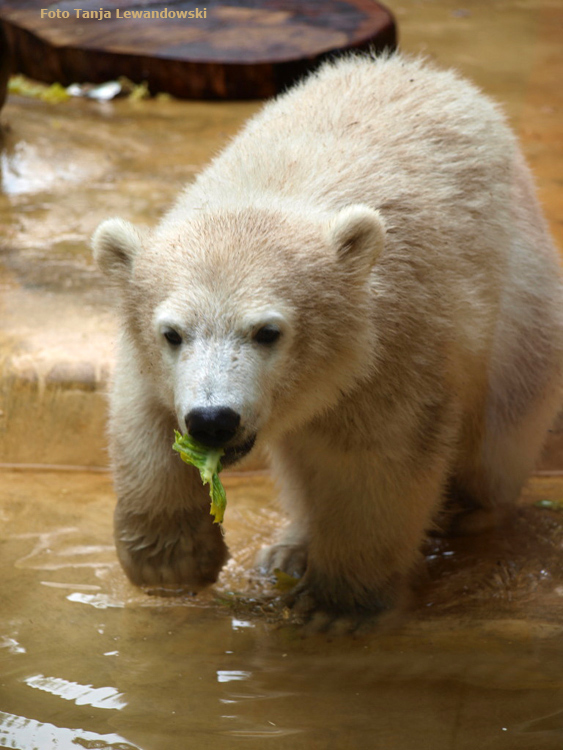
{"x": 364, "y": 517}
{"x": 490, "y": 481}
{"x": 289, "y": 554}
{"x": 164, "y": 532}
{"x": 524, "y": 393}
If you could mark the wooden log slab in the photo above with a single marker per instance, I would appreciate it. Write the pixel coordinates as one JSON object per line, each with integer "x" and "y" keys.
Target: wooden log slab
{"x": 4, "y": 66}
{"x": 236, "y": 49}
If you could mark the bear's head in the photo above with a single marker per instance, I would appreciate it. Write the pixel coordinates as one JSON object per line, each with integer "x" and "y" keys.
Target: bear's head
{"x": 247, "y": 322}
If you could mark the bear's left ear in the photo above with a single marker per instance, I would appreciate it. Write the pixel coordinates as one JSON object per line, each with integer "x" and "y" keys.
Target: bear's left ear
{"x": 357, "y": 233}
{"x": 115, "y": 243}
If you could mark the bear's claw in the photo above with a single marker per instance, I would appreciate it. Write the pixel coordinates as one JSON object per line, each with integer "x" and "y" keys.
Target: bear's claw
{"x": 289, "y": 558}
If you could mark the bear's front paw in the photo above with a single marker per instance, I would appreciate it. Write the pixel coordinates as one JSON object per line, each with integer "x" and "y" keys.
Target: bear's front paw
{"x": 342, "y": 606}
{"x": 289, "y": 558}
{"x": 178, "y": 551}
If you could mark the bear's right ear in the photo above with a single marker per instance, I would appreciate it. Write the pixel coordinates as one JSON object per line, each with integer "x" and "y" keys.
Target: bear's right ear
{"x": 357, "y": 233}
{"x": 115, "y": 243}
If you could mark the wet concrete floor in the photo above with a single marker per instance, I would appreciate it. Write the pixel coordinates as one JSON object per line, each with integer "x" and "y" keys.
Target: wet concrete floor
{"x": 88, "y": 660}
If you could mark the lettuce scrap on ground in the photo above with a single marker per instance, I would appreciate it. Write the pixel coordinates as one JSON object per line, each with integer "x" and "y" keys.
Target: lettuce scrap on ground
{"x": 208, "y": 461}
{"x": 25, "y": 87}
{"x": 284, "y": 581}
{"x": 56, "y": 92}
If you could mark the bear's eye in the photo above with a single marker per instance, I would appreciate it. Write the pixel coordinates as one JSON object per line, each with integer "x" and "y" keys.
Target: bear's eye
{"x": 268, "y": 334}
{"x": 173, "y": 337}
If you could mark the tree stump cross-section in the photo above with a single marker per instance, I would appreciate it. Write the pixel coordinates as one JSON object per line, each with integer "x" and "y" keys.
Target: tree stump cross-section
{"x": 236, "y": 49}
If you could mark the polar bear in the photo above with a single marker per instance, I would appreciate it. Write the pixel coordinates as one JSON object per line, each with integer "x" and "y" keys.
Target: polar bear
{"x": 362, "y": 282}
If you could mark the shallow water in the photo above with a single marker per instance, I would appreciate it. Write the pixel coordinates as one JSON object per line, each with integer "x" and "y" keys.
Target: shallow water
{"x": 88, "y": 660}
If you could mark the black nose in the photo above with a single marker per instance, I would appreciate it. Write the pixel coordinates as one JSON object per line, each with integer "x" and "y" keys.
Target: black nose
{"x": 212, "y": 425}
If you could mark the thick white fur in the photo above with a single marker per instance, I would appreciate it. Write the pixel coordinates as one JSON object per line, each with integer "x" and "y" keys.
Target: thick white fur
{"x": 382, "y": 214}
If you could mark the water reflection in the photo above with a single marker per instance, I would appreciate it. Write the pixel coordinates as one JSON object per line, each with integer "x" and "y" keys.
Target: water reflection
{"x": 236, "y": 624}
{"x": 74, "y": 586}
{"x": 11, "y": 645}
{"x": 26, "y": 169}
{"x": 99, "y": 601}
{"x": 230, "y": 675}
{"x": 82, "y": 695}
{"x": 19, "y": 732}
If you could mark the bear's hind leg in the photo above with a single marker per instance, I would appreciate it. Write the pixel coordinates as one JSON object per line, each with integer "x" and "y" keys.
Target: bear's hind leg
{"x": 525, "y": 372}
{"x": 488, "y": 483}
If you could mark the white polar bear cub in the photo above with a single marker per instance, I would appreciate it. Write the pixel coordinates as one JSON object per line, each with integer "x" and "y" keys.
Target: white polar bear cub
{"x": 362, "y": 281}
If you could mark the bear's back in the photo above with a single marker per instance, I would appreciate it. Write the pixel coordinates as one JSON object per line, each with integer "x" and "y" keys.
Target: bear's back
{"x": 370, "y": 130}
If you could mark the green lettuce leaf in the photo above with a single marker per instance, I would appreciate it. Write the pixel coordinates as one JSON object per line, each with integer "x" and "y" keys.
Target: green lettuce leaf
{"x": 208, "y": 461}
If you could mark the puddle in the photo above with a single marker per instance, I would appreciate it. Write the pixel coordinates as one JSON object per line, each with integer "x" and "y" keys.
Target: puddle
{"x": 88, "y": 660}
{"x": 64, "y": 168}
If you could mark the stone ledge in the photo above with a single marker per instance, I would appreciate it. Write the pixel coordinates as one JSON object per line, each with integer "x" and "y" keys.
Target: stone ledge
{"x": 55, "y": 414}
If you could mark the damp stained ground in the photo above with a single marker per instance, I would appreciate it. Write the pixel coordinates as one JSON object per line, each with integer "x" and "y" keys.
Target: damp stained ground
{"x": 86, "y": 659}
